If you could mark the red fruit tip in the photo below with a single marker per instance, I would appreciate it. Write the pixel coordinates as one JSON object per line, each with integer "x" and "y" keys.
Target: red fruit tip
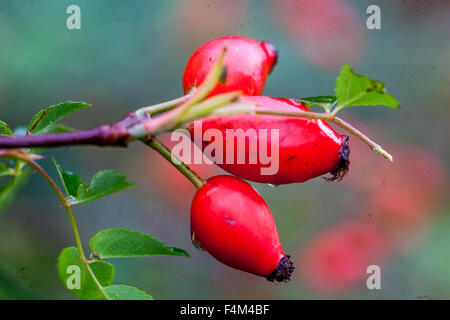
{"x": 339, "y": 172}
{"x": 283, "y": 271}
{"x": 272, "y": 54}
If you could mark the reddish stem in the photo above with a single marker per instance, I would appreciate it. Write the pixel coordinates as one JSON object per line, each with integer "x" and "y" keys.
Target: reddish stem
{"x": 106, "y": 135}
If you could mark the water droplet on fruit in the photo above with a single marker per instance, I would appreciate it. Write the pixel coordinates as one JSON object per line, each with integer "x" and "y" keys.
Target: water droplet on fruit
{"x": 196, "y": 244}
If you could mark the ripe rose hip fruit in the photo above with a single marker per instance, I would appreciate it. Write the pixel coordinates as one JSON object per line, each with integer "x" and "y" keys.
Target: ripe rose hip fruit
{"x": 307, "y": 148}
{"x": 231, "y": 221}
{"x": 248, "y": 63}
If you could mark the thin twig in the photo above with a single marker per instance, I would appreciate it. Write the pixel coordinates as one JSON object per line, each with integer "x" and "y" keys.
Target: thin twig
{"x": 133, "y": 126}
{"x": 175, "y": 161}
{"x": 331, "y": 118}
{"x": 113, "y": 135}
{"x": 162, "y": 107}
{"x": 23, "y": 157}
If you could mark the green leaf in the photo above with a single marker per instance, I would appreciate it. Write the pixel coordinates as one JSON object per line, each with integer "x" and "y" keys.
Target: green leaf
{"x": 5, "y": 130}
{"x": 69, "y": 260}
{"x": 122, "y": 243}
{"x": 104, "y": 183}
{"x": 325, "y": 102}
{"x": 5, "y": 170}
{"x": 70, "y": 180}
{"x": 45, "y": 118}
{"x": 9, "y": 191}
{"x": 357, "y": 90}
{"x": 122, "y": 292}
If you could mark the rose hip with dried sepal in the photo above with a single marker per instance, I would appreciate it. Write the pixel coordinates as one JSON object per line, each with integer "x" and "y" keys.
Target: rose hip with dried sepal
{"x": 231, "y": 221}
{"x": 307, "y": 148}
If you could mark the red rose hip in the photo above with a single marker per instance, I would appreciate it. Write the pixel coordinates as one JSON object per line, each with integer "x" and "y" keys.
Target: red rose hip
{"x": 302, "y": 149}
{"x": 231, "y": 221}
{"x": 248, "y": 63}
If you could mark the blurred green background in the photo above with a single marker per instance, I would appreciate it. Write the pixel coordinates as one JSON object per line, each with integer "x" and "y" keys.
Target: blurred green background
{"x": 132, "y": 54}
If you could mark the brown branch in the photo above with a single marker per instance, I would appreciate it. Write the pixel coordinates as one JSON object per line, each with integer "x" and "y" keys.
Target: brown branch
{"x": 116, "y": 135}
{"x": 135, "y": 125}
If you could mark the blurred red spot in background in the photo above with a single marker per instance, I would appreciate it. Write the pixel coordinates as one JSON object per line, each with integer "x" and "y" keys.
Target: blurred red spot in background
{"x": 402, "y": 193}
{"x": 328, "y": 33}
{"x": 338, "y": 257}
{"x": 407, "y": 189}
{"x": 202, "y": 20}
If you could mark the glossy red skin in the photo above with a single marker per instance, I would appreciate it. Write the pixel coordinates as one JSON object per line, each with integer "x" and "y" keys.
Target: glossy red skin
{"x": 233, "y": 223}
{"x": 248, "y": 63}
{"x": 308, "y": 147}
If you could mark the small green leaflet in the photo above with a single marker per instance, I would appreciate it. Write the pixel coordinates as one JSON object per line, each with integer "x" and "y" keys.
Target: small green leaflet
{"x": 355, "y": 90}
{"x": 45, "y": 118}
{"x": 70, "y": 180}
{"x": 5, "y": 130}
{"x": 69, "y": 264}
{"x": 104, "y": 183}
{"x": 122, "y": 243}
{"x": 122, "y": 292}
{"x": 325, "y": 102}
